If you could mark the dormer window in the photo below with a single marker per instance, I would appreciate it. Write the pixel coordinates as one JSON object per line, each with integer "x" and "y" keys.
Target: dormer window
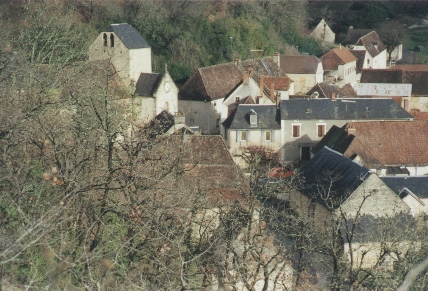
{"x": 111, "y": 40}
{"x": 105, "y": 39}
{"x": 253, "y": 118}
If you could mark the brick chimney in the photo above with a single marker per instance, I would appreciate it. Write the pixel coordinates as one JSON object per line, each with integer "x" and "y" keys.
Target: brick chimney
{"x": 351, "y": 130}
{"x": 245, "y": 78}
{"x": 333, "y": 96}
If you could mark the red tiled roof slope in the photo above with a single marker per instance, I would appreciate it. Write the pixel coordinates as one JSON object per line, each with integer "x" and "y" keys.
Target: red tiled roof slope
{"x": 335, "y": 57}
{"x": 299, "y": 64}
{"x": 394, "y": 142}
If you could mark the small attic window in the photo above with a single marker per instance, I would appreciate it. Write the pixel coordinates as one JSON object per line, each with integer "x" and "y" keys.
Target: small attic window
{"x": 111, "y": 40}
{"x": 237, "y": 99}
{"x": 105, "y": 39}
{"x": 253, "y": 118}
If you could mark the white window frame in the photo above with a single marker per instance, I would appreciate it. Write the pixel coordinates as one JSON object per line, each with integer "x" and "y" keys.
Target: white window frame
{"x": 292, "y": 130}
{"x": 316, "y": 130}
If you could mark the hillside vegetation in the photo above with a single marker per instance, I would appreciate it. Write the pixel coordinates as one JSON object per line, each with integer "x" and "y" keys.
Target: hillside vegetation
{"x": 191, "y": 34}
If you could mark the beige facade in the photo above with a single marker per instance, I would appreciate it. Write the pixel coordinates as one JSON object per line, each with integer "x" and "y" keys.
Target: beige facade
{"x": 373, "y": 198}
{"x": 304, "y": 82}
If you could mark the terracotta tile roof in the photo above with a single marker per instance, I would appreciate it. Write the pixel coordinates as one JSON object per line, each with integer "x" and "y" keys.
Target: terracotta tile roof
{"x": 211, "y": 83}
{"x": 216, "y": 82}
{"x": 200, "y": 165}
{"x": 391, "y": 143}
{"x": 280, "y": 83}
{"x": 415, "y": 68}
{"x": 335, "y": 57}
{"x": 407, "y": 74}
{"x": 348, "y": 90}
{"x": 372, "y": 43}
{"x": 266, "y": 67}
{"x": 419, "y": 115}
{"x": 299, "y": 64}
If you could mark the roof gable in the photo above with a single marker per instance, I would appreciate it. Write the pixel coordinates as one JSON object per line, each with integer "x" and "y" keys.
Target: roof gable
{"x": 330, "y": 178}
{"x": 371, "y": 41}
{"x": 335, "y": 57}
{"x": 130, "y": 37}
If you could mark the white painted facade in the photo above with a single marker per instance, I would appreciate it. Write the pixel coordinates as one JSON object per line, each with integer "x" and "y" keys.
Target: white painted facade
{"x": 377, "y": 62}
{"x": 294, "y": 147}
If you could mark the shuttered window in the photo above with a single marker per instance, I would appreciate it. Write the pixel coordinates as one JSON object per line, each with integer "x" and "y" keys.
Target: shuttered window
{"x": 296, "y": 130}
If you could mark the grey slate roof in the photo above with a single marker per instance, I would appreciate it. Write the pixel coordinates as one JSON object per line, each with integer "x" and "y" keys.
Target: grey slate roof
{"x": 330, "y": 178}
{"x": 336, "y": 139}
{"x": 267, "y": 117}
{"x": 130, "y": 37}
{"x": 343, "y": 109}
{"x": 418, "y": 185}
{"x": 147, "y": 84}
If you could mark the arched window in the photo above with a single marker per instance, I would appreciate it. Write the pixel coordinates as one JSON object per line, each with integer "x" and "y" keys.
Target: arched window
{"x": 112, "y": 40}
{"x": 105, "y": 39}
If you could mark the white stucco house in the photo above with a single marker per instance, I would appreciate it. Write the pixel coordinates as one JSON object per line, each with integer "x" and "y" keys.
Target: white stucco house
{"x": 339, "y": 66}
{"x": 375, "y": 54}
{"x": 208, "y": 96}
